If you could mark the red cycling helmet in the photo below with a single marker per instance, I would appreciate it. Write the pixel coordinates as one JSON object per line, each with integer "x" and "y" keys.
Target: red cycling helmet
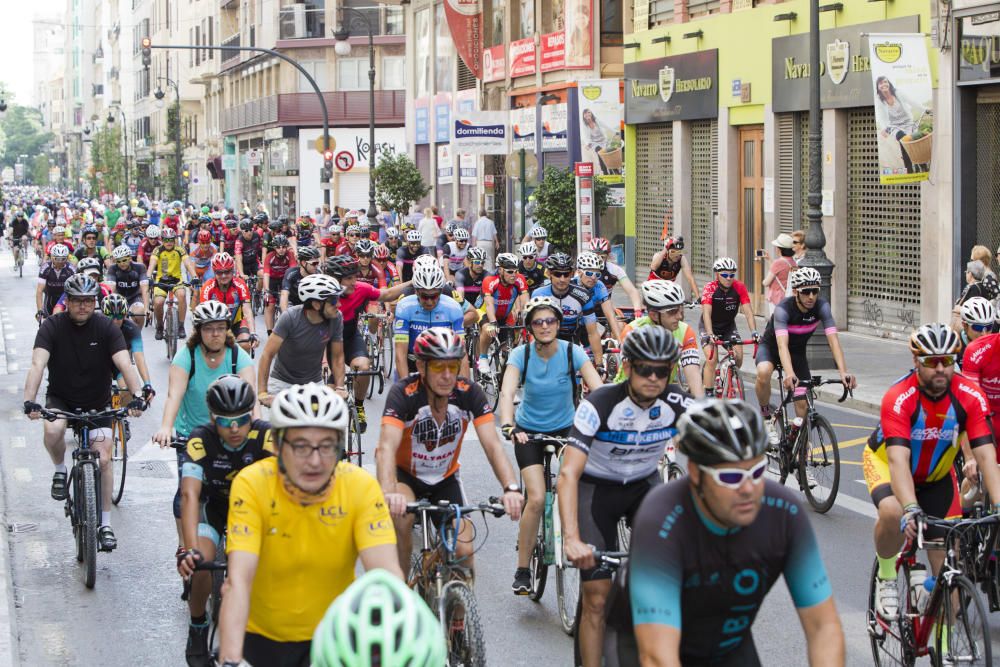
{"x": 222, "y": 261}
{"x": 381, "y": 252}
{"x": 121, "y": 227}
{"x": 600, "y": 244}
{"x": 204, "y": 236}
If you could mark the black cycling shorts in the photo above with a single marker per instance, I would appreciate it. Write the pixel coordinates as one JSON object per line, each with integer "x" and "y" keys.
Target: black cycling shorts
{"x": 354, "y": 347}
{"x": 449, "y": 489}
{"x": 259, "y": 650}
{"x": 533, "y": 453}
{"x": 724, "y": 332}
{"x": 800, "y": 365}
{"x": 600, "y": 505}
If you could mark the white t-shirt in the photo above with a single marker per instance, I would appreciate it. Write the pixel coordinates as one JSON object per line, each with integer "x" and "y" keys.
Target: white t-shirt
{"x": 428, "y": 232}
{"x": 484, "y": 229}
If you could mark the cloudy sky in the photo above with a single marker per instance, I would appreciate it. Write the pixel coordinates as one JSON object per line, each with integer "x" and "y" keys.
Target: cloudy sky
{"x": 16, "y": 42}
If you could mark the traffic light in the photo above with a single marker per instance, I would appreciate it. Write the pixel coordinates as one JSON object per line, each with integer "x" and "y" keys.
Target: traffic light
{"x": 327, "y": 165}
{"x": 147, "y": 52}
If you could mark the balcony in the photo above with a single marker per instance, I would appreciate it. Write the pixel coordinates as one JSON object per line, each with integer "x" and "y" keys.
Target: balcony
{"x": 297, "y": 22}
{"x": 230, "y": 58}
{"x": 345, "y": 109}
{"x": 383, "y": 20}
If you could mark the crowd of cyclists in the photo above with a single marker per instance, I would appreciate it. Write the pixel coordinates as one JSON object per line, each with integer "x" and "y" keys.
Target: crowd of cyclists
{"x": 260, "y": 442}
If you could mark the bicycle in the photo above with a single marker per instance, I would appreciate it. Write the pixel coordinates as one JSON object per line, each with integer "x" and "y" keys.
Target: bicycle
{"x": 979, "y": 544}
{"x": 728, "y": 381}
{"x": 438, "y": 576}
{"x": 809, "y": 447}
{"x": 946, "y": 605}
{"x": 19, "y": 249}
{"x": 83, "y": 505}
{"x": 120, "y": 433}
{"x": 353, "y": 448}
{"x": 506, "y": 339}
{"x": 375, "y": 346}
{"x": 256, "y": 296}
{"x": 612, "y": 560}
{"x": 171, "y": 323}
{"x": 218, "y": 568}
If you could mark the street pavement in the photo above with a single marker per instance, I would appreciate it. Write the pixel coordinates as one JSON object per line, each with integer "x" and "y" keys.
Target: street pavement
{"x": 134, "y": 614}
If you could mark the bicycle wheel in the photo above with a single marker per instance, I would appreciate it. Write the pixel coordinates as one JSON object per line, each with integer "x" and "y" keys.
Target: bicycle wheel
{"x": 777, "y": 463}
{"x": 119, "y": 460}
{"x": 257, "y": 302}
{"x": 89, "y": 521}
{"x": 568, "y": 595}
{"x": 819, "y": 454}
{"x": 886, "y": 637}
{"x": 964, "y": 616}
{"x": 462, "y": 629}
{"x": 353, "y": 451}
{"x": 539, "y": 570}
{"x": 170, "y": 333}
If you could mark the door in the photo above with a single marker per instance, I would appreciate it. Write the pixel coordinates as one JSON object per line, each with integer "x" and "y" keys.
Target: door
{"x": 751, "y": 166}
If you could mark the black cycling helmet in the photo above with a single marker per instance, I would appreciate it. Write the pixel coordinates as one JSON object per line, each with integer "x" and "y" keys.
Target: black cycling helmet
{"x": 559, "y": 261}
{"x": 341, "y": 266}
{"x": 261, "y": 218}
{"x": 204, "y": 219}
{"x": 719, "y": 430}
{"x": 280, "y": 241}
{"x": 79, "y": 284}
{"x": 230, "y": 395}
{"x": 231, "y": 223}
{"x": 307, "y": 253}
{"x": 274, "y": 225}
{"x": 246, "y": 225}
{"x": 650, "y": 343}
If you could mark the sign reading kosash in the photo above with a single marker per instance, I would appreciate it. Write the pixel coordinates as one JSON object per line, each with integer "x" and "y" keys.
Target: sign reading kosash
{"x": 480, "y": 133}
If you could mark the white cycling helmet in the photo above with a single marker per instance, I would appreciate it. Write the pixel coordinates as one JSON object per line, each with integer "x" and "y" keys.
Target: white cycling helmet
{"x": 153, "y": 232}
{"x": 724, "y": 264}
{"x": 391, "y": 233}
{"x": 319, "y": 287}
{"x": 805, "y": 276}
{"x": 428, "y": 277}
{"x": 526, "y": 250}
{"x": 425, "y": 260}
{"x": 461, "y": 234}
{"x": 507, "y": 260}
{"x": 121, "y": 252}
{"x": 59, "y": 251}
{"x": 933, "y": 339}
{"x": 978, "y": 310}
{"x": 413, "y": 236}
{"x": 589, "y": 261}
{"x": 336, "y": 229}
{"x": 313, "y": 404}
{"x": 661, "y": 294}
{"x": 58, "y": 229}
{"x": 210, "y": 311}
{"x": 539, "y": 232}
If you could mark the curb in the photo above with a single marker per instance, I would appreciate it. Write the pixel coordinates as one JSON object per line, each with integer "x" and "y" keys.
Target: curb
{"x": 8, "y": 612}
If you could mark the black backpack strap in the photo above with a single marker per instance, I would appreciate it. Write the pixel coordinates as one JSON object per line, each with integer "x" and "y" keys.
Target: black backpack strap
{"x": 572, "y": 371}
{"x": 527, "y": 355}
{"x": 235, "y": 356}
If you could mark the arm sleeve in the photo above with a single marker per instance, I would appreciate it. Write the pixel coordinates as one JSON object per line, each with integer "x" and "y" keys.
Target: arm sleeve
{"x": 657, "y": 567}
{"x": 244, "y": 525}
{"x": 805, "y": 573}
{"x": 585, "y": 425}
{"x": 372, "y": 525}
{"x": 826, "y": 317}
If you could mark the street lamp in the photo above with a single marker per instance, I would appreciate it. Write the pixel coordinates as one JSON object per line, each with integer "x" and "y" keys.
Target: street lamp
{"x": 111, "y": 122}
{"x": 159, "y": 95}
{"x": 342, "y": 47}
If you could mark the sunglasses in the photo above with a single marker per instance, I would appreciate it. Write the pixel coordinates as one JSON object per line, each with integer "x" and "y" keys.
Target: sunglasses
{"x": 442, "y": 365}
{"x": 232, "y": 422}
{"x": 316, "y": 263}
{"x": 945, "y": 360}
{"x": 124, "y": 260}
{"x": 477, "y": 262}
{"x": 423, "y": 296}
{"x": 665, "y": 311}
{"x": 733, "y": 478}
{"x": 591, "y": 274}
{"x": 560, "y": 274}
{"x": 532, "y": 257}
{"x": 812, "y": 291}
{"x": 353, "y": 236}
{"x": 224, "y": 273}
{"x": 650, "y": 370}
{"x": 980, "y": 327}
{"x": 544, "y": 321}
{"x": 727, "y": 275}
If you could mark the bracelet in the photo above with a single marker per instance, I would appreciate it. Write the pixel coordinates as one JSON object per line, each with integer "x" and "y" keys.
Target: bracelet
{"x": 263, "y": 394}
{"x": 910, "y": 506}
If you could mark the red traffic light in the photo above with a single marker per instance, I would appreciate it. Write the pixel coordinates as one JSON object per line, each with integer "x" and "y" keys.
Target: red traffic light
{"x": 146, "y": 42}
{"x": 328, "y": 156}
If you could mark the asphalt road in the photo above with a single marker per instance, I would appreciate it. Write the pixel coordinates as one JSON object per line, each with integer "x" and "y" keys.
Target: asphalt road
{"x": 134, "y": 614}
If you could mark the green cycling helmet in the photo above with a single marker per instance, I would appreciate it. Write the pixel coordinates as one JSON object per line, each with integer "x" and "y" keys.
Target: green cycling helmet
{"x": 378, "y": 622}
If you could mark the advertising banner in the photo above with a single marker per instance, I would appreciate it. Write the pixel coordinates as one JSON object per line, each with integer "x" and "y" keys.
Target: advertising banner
{"x": 901, "y": 85}
{"x": 445, "y": 165}
{"x": 554, "y": 124}
{"x": 467, "y": 169}
{"x": 442, "y": 117}
{"x": 494, "y": 64}
{"x": 601, "y": 112}
{"x": 421, "y": 121}
{"x": 522, "y": 128}
{"x": 553, "y": 47}
{"x": 480, "y": 133}
{"x": 522, "y": 57}
{"x": 465, "y": 21}
{"x": 584, "y": 204}
{"x": 579, "y": 34}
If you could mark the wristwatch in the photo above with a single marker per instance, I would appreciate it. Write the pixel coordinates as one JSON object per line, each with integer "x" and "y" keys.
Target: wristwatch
{"x": 512, "y": 488}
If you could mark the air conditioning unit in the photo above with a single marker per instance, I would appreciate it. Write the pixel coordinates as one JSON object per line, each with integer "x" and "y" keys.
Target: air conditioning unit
{"x": 298, "y": 21}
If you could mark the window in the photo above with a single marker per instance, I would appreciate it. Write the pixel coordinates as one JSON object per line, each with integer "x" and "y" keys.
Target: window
{"x": 393, "y": 20}
{"x": 317, "y": 70}
{"x": 611, "y": 23}
{"x": 660, "y": 11}
{"x": 197, "y": 42}
{"x": 211, "y": 38}
{"x": 393, "y": 73}
{"x": 698, "y": 8}
{"x": 191, "y": 52}
{"x": 352, "y": 74}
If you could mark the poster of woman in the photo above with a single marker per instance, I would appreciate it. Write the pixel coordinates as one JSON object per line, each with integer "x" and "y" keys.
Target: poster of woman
{"x": 600, "y": 127}
{"x": 579, "y": 34}
{"x": 903, "y": 106}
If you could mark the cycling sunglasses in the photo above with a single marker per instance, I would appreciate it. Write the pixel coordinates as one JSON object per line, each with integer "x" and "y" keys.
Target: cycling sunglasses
{"x": 424, "y": 296}
{"x": 233, "y": 422}
{"x": 591, "y": 274}
{"x": 560, "y": 274}
{"x": 442, "y": 365}
{"x": 981, "y": 327}
{"x": 727, "y": 275}
{"x": 733, "y": 478}
{"x": 648, "y": 370}
{"x": 810, "y": 291}
{"x": 945, "y": 360}
{"x": 544, "y": 321}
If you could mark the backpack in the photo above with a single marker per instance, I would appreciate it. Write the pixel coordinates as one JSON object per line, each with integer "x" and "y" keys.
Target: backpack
{"x": 234, "y": 354}
{"x": 569, "y": 365}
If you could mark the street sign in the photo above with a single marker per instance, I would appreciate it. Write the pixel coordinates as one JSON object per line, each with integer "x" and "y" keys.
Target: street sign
{"x": 513, "y": 166}
{"x": 321, "y": 147}
{"x": 255, "y": 157}
{"x": 344, "y": 161}
{"x": 584, "y": 168}
{"x": 229, "y": 162}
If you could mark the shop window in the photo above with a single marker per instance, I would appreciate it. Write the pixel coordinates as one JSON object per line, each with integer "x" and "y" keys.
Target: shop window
{"x": 393, "y": 77}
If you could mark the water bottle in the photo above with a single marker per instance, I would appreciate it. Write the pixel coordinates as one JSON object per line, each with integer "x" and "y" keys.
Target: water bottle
{"x": 929, "y": 583}
{"x": 793, "y": 431}
{"x": 918, "y": 594}
{"x": 550, "y": 553}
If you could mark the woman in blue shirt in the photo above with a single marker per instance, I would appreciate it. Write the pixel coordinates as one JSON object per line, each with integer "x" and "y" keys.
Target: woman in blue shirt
{"x": 545, "y": 369}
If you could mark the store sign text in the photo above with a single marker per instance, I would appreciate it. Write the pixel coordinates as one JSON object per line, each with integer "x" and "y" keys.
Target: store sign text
{"x": 797, "y": 70}
{"x": 640, "y": 89}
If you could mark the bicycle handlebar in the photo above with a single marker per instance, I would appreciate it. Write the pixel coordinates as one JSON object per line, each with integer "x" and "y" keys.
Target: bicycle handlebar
{"x": 210, "y": 566}
{"x": 816, "y": 381}
{"x": 612, "y": 558}
{"x": 732, "y": 343}
{"x": 90, "y": 417}
{"x": 447, "y": 509}
{"x": 352, "y": 374}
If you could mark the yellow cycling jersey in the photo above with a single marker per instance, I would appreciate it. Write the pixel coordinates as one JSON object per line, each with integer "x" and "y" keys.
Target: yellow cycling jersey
{"x": 168, "y": 263}
{"x": 306, "y": 554}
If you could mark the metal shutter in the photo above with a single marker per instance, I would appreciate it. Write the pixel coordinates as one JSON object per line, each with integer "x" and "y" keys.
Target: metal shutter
{"x": 802, "y": 173}
{"x": 788, "y": 166}
{"x": 558, "y": 159}
{"x": 704, "y": 195}
{"x": 654, "y": 186}
{"x": 466, "y": 79}
{"x": 987, "y": 168}
{"x": 883, "y": 239}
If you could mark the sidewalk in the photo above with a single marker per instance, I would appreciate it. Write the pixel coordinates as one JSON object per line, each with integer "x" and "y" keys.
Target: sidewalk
{"x": 8, "y": 627}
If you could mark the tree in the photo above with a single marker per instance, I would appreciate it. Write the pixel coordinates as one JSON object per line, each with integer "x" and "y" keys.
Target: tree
{"x": 398, "y": 182}
{"x": 555, "y": 200}
{"x": 39, "y": 170}
{"x": 173, "y": 185}
{"x": 106, "y": 159}
{"x": 23, "y": 135}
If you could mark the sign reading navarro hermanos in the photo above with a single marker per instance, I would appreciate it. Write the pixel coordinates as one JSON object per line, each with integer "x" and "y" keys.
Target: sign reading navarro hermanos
{"x": 683, "y": 87}
{"x": 844, "y": 66}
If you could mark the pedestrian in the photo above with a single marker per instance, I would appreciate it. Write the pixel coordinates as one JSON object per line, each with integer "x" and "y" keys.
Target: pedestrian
{"x": 461, "y": 221}
{"x": 982, "y": 253}
{"x": 429, "y": 229}
{"x": 776, "y": 280}
{"x": 437, "y": 216}
{"x": 385, "y": 220}
{"x": 484, "y": 235}
{"x": 798, "y": 245}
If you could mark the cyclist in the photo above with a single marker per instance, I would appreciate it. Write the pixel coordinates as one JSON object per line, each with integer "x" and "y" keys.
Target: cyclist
{"x": 393, "y": 242}
{"x": 589, "y": 268}
{"x": 529, "y": 266}
{"x": 58, "y": 238}
{"x": 147, "y": 247}
{"x": 538, "y": 236}
{"x": 664, "y": 303}
{"x": 426, "y": 415}
{"x": 406, "y": 255}
{"x": 201, "y": 254}
{"x": 329, "y": 245}
{"x": 216, "y": 452}
{"x": 576, "y": 303}
{"x": 716, "y": 520}
{"x": 228, "y": 289}
{"x": 308, "y": 265}
{"x": 333, "y": 512}
{"x": 378, "y": 616}
{"x": 78, "y": 350}
{"x": 424, "y": 309}
{"x": 908, "y": 462}
{"x": 546, "y": 371}
{"x": 502, "y": 300}
{"x": 166, "y": 268}
{"x": 382, "y": 260}
{"x": 276, "y": 264}
{"x": 115, "y": 307}
{"x": 720, "y": 301}
{"x": 784, "y": 342}
{"x": 454, "y": 252}
{"x": 51, "y": 277}
{"x": 670, "y": 263}
{"x": 131, "y": 281}
{"x": 614, "y": 274}
{"x": 230, "y": 235}
{"x": 306, "y": 232}
{"x": 19, "y": 231}
{"x": 469, "y": 280}
{"x": 364, "y": 251}
{"x": 304, "y": 336}
{"x": 978, "y": 319}
{"x": 351, "y": 237}
{"x": 619, "y": 434}
{"x": 133, "y": 239}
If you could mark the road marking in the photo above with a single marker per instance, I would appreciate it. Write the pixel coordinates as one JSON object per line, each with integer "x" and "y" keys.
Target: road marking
{"x": 863, "y": 507}
{"x": 860, "y": 428}
{"x": 17, "y": 442}
{"x": 852, "y": 463}
{"x": 22, "y": 475}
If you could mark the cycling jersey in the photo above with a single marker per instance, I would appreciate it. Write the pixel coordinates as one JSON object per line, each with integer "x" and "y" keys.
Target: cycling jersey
{"x": 375, "y": 277}
{"x": 982, "y": 365}
{"x": 169, "y": 263}
{"x": 146, "y": 249}
{"x": 19, "y": 228}
{"x": 455, "y": 255}
{"x": 305, "y": 236}
{"x": 534, "y": 277}
{"x": 345, "y": 248}
{"x": 132, "y": 242}
{"x": 249, "y": 250}
{"x": 131, "y": 333}
{"x": 504, "y": 296}
{"x": 470, "y": 284}
{"x": 127, "y": 281}
{"x": 202, "y": 258}
{"x": 391, "y": 274}
{"x": 577, "y": 306}
{"x": 692, "y": 575}
{"x": 929, "y": 427}
{"x": 229, "y": 238}
{"x": 624, "y": 442}
{"x": 234, "y": 296}
{"x": 666, "y": 270}
{"x": 99, "y": 253}
{"x": 542, "y": 254}
{"x": 598, "y": 293}
{"x": 791, "y": 323}
{"x": 406, "y": 257}
{"x": 356, "y": 302}
{"x": 725, "y": 303}
{"x": 264, "y": 519}
{"x": 429, "y": 449}
{"x": 683, "y": 334}
{"x": 612, "y": 274}
{"x": 275, "y": 266}
{"x": 412, "y": 318}
{"x": 290, "y": 284}
{"x": 53, "y": 280}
